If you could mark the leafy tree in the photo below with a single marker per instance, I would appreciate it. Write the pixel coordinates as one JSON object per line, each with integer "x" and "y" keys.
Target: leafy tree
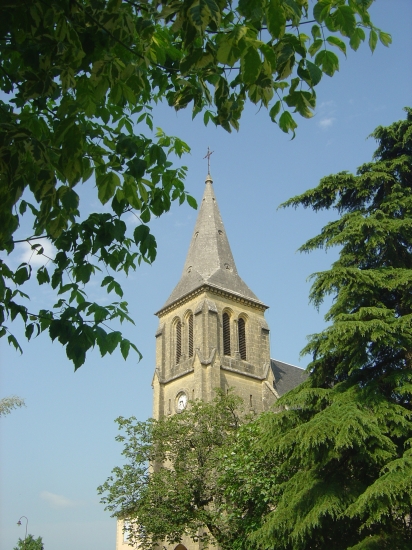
{"x": 340, "y": 449}
{"x": 169, "y": 485}
{"x": 30, "y": 543}
{"x": 7, "y": 404}
{"x": 79, "y": 79}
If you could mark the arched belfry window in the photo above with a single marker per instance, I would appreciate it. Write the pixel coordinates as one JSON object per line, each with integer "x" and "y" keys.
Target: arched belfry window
{"x": 242, "y": 338}
{"x": 226, "y": 334}
{"x": 190, "y": 335}
{"x": 178, "y": 340}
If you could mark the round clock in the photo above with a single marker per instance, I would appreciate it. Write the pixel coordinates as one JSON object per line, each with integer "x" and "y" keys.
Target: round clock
{"x": 181, "y": 401}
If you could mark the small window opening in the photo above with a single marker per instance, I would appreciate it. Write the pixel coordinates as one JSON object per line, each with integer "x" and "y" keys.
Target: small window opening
{"x": 251, "y": 401}
{"x": 178, "y": 341}
{"x": 190, "y": 327}
{"x": 226, "y": 334}
{"x": 242, "y": 338}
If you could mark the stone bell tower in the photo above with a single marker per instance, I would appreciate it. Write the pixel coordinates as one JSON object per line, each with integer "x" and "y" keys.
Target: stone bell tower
{"x": 212, "y": 333}
{"x": 212, "y": 329}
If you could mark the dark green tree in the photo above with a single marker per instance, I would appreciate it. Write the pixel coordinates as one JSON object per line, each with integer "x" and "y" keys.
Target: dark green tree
{"x": 29, "y": 543}
{"x": 169, "y": 486}
{"x": 340, "y": 447}
{"x": 78, "y": 81}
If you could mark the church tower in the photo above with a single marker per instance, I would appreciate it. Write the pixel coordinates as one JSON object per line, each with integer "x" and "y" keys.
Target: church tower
{"x": 212, "y": 330}
{"x": 212, "y": 334}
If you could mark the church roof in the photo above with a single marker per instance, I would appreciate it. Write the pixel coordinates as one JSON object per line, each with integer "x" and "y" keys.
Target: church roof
{"x": 210, "y": 260}
{"x": 286, "y": 376}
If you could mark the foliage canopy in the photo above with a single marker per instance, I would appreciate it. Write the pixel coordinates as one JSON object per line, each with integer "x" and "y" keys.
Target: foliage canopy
{"x": 169, "y": 486}
{"x": 79, "y": 79}
{"x": 7, "y": 404}
{"x": 30, "y": 543}
{"x": 341, "y": 449}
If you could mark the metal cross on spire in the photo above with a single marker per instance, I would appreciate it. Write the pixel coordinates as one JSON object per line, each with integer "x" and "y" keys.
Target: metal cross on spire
{"x": 208, "y": 155}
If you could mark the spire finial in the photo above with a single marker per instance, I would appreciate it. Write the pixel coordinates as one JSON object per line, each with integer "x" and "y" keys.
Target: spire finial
{"x": 208, "y": 155}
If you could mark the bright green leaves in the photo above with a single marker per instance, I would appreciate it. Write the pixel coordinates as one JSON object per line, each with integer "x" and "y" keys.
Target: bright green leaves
{"x": 286, "y": 123}
{"x": 203, "y": 12}
{"x": 373, "y": 40}
{"x": 276, "y": 18}
{"x": 250, "y": 66}
{"x": 335, "y": 41}
{"x": 385, "y": 38}
{"x": 328, "y": 62}
{"x": 357, "y": 37}
{"x": 189, "y": 451}
{"x": 80, "y": 88}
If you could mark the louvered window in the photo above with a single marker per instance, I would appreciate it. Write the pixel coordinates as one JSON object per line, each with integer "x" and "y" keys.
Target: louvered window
{"x": 178, "y": 341}
{"x": 226, "y": 334}
{"x": 190, "y": 330}
{"x": 242, "y": 338}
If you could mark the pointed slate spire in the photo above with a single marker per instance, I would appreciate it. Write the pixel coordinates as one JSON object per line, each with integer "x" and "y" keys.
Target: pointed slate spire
{"x": 210, "y": 260}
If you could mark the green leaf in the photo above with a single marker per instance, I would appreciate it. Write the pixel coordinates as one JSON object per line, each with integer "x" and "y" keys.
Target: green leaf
{"x": 137, "y": 167}
{"x": 145, "y": 215}
{"x": 344, "y": 20}
{"x": 250, "y": 66}
{"x": 315, "y": 72}
{"x": 140, "y": 234}
{"x": 274, "y": 111}
{"x": 22, "y": 274}
{"x": 112, "y": 340}
{"x": 203, "y": 12}
{"x": 321, "y": 10}
{"x": 43, "y": 275}
{"x": 356, "y": 38}
{"x": 373, "y": 40}
{"x": 191, "y": 201}
{"x": 227, "y": 52}
{"x": 335, "y": 41}
{"x": 276, "y": 18}
{"x": 22, "y": 207}
{"x": 286, "y": 123}
{"x": 385, "y": 38}
{"x": 124, "y": 348}
{"x": 328, "y": 61}
{"x": 106, "y": 186}
{"x": 313, "y": 48}
{"x": 316, "y": 32}
{"x": 12, "y": 341}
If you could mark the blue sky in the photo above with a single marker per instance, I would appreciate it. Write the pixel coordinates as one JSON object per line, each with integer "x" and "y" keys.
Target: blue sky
{"x": 57, "y": 450}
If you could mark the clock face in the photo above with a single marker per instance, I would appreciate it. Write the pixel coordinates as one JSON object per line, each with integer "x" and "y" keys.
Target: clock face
{"x": 181, "y": 401}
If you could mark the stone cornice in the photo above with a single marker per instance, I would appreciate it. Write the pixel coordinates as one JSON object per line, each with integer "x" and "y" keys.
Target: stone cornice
{"x": 175, "y": 377}
{"x": 214, "y": 290}
{"x": 243, "y": 373}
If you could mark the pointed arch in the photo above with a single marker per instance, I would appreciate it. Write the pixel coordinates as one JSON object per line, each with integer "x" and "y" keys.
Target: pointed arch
{"x": 190, "y": 335}
{"x": 178, "y": 340}
{"x": 226, "y": 333}
{"x": 241, "y": 324}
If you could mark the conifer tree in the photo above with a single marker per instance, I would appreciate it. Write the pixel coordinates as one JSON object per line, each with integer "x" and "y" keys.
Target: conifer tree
{"x": 340, "y": 447}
